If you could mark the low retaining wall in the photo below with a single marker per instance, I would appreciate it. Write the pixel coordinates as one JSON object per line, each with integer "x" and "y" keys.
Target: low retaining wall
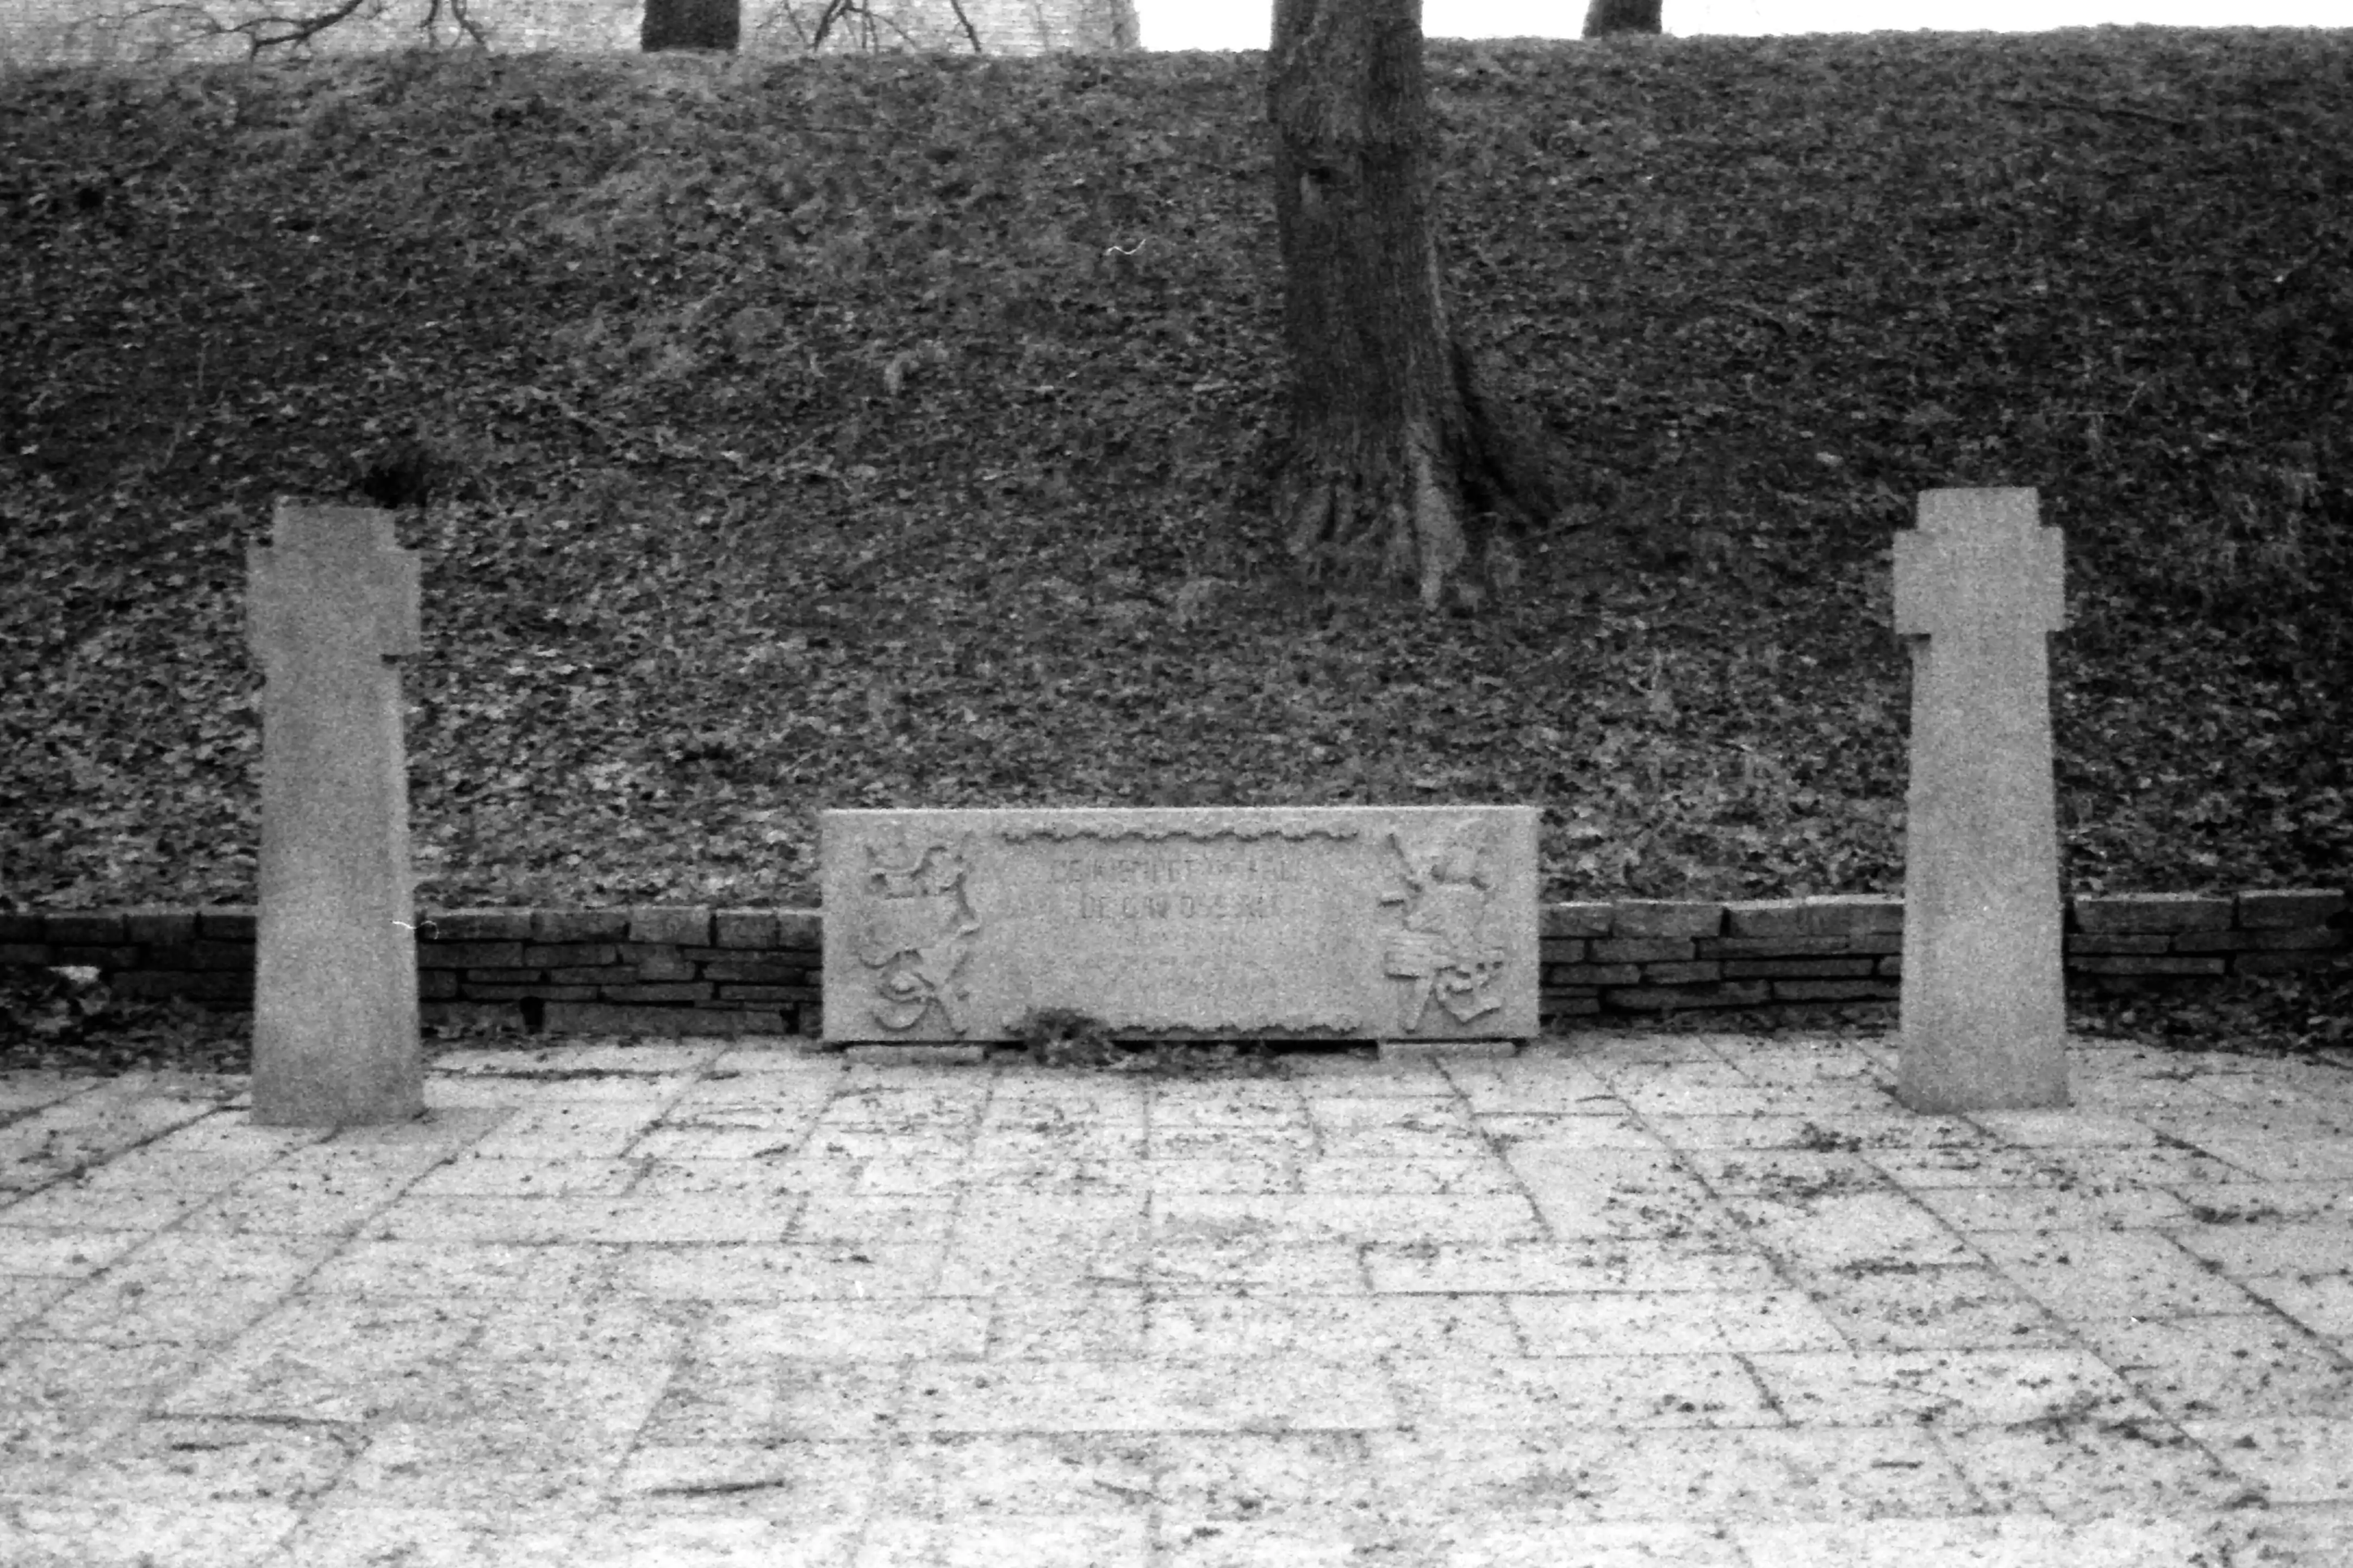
{"x": 670, "y": 970}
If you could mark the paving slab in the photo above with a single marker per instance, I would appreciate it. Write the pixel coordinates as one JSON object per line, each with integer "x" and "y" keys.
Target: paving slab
{"x": 1692, "y": 1299}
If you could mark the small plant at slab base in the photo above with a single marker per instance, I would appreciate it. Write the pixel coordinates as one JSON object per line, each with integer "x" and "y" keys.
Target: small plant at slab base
{"x": 1062, "y": 1036}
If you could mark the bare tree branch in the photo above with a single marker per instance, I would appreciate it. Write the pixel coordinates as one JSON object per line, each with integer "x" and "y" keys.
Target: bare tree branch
{"x": 966, "y": 23}
{"x": 462, "y": 12}
{"x": 274, "y": 31}
{"x": 860, "y": 14}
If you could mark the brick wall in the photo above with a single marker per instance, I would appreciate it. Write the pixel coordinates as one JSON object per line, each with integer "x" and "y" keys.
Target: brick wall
{"x": 80, "y": 31}
{"x": 666, "y": 970}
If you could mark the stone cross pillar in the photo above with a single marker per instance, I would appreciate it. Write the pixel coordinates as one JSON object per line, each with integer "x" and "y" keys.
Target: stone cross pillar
{"x": 335, "y": 1020}
{"x": 1978, "y": 588}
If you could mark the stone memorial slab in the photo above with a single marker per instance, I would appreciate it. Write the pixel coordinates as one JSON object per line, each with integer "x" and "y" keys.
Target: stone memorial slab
{"x": 1978, "y": 590}
{"x": 332, "y": 603}
{"x": 1372, "y": 922}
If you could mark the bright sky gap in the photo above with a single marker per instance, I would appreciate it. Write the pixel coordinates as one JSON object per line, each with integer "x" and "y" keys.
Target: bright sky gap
{"x": 1245, "y": 23}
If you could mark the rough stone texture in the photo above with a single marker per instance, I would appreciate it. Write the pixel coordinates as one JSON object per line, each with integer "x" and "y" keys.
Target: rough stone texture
{"x": 1818, "y": 915}
{"x": 229, "y": 923}
{"x": 2290, "y": 907}
{"x": 581, "y": 925}
{"x": 1682, "y": 974}
{"x": 2281, "y": 963}
{"x": 469, "y": 955}
{"x": 1334, "y": 922}
{"x": 1776, "y": 946}
{"x": 1978, "y": 590}
{"x": 1576, "y": 920}
{"x": 1766, "y": 918}
{"x": 1598, "y": 975}
{"x": 664, "y": 991}
{"x": 760, "y": 971}
{"x": 2107, "y": 913}
{"x": 2147, "y": 941}
{"x": 1571, "y": 1003}
{"x": 533, "y": 990}
{"x": 158, "y": 926}
{"x": 477, "y": 925}
{"x": 657, "y": 961}
{"x": 1796, "y": 968}
{"x": 1645, "y": 950}
{"x": 599, "y": 953}
{"x": 745, "y": 928}
{"x": 334, "y": 602}
{"x": 1666, "y": 918}
{"x": 682, "y": 923}
{"x": 2253, "y": 940}
{"x": 2102, "y": 963}
{"x": 1860, "y": 914}
{"x": 1835, "y": 991}
{"x": 96, "y": 929}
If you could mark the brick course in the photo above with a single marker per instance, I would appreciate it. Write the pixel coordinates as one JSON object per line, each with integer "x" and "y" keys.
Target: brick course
{"x": 436, "y": 954}
{"x": 2290, "y": 907}
{"x": 1663, "y": 918}
{"x": 1650, "y": 949}
{"x": 580, "y": 925}
{"x": 2104, "y": 963}
{"x": 2150, "y": 911}
{"x": 1835, "y": 991}
{"x": 479, "y": 925}
{"x": 745, "y": 928}
{"x": 156, "y": 927}
{"x": 670, "y": 969}
{"x": 1795, "y": 968}
{"x": 1574, "y": 919}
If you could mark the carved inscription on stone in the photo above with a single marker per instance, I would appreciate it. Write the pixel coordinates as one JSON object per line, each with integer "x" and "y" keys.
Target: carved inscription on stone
{"x": 1311, "y": 922}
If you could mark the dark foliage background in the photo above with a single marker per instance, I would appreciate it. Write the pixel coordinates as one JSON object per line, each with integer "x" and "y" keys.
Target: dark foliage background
{"x": 880, "y": 431}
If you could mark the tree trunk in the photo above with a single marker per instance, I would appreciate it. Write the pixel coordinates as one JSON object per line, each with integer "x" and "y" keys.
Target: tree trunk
{"x": 1604, "y": 16}
{"x": 692, "y": 24}
{"x": 1395, "y": 463}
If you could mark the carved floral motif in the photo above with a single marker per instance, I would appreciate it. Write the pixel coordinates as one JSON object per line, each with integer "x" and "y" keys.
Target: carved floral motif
{"x": 916, "y": 928}
{"x": 1447, "y": 946}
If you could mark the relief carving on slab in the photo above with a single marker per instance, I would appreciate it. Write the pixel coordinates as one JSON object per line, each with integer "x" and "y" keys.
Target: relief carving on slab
{"x": 1446, "y": 945}
{"x": 915, "y": 927}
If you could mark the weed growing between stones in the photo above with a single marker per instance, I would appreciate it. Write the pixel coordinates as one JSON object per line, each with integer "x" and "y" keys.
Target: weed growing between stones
{"x": 1065, "y": 1037}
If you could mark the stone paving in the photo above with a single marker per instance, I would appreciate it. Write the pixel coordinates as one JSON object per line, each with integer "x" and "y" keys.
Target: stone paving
{"x": 1616, "y": 1301}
